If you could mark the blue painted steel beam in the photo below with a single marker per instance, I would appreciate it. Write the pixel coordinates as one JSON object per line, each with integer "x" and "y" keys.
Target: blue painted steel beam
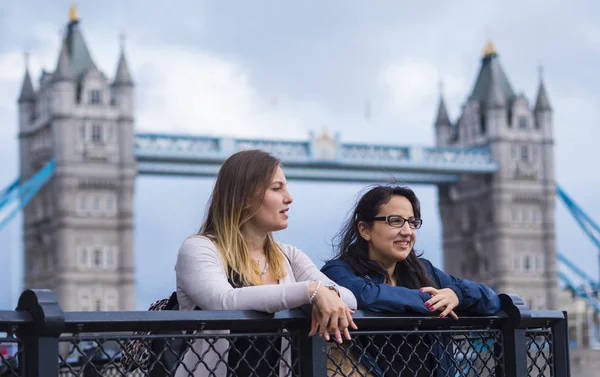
{"x": 580, "y": 292}
{"x": 568, "y": 200}
{"x": 579, "y": 272}
{"x": 10, "y": 187}
{"x": 161, "y": 154}
{"x": 19, "y": 196}
{"x": 585, "y": 222}
{"x": 7, "y": 193}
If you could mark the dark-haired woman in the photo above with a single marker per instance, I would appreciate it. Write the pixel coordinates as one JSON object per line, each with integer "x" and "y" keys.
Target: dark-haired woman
{"x": 376, "y": 260}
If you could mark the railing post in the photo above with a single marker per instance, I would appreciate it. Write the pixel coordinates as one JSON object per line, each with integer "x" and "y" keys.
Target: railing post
{"x": 560, "y": 347}
{"x": 312, "y": 350}
{"x": 514, "y": 342}
{"x": 313, "y": 356}
{"x": 40, "y": 338}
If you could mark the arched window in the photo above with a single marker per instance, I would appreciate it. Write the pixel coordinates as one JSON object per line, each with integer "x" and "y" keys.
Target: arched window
{"x": 98, "y": 258}
{"x": 517, "y": 262}
{"x": 523, "y": 122}
{"x": 527, "y": 263}
{"x": 482, "y": 122}
{"x": 95, "y": 97}
{"x": 525, "y": 153}
{"x": 97, "y": 133}
{"x": 110, "y": 256}
{"x": 84, "y": 256}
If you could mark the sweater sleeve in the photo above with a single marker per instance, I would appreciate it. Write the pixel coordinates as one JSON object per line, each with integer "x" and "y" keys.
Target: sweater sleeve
{"x": 305, "y": 270}
{"x": 473, "y": 297}
{"x": 377, "y": 297}
{"x": 201, "y": 275}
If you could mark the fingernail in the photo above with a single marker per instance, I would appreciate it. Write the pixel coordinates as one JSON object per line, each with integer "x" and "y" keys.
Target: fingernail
{"x": 427, "y": 304}
{"x": 441, "y": 316}
{"x": 421, "y": 289}
{"x": 431, "y": 309}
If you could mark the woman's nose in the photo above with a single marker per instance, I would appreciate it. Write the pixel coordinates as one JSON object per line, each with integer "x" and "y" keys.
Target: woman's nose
{"x": 288, "y": 198}
{"x": 406, "y": 229}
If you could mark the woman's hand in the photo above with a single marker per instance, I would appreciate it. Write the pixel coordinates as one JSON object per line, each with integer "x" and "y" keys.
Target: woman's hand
{"x": 442, "y": 299}
{"x": 330, "y": 314}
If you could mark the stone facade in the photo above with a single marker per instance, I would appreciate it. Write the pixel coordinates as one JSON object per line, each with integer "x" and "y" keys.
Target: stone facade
{"x": 78, "y": 230}
{"x": 499, "y": 229}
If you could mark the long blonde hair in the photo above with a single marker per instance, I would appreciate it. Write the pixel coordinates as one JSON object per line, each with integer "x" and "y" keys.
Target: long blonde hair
{"x": 238, "y": 193}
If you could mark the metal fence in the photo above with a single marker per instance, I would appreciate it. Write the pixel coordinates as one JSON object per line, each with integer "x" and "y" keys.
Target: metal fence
{"x": 45, "y": 341}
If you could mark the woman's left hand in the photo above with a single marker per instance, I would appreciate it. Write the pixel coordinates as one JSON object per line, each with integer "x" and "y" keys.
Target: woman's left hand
{"x": 442, "y": 299}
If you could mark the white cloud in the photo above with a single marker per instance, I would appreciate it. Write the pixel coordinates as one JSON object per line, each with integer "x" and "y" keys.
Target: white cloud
{"x": 413, "y": 84}
{"x": 200, "y": 93}
{"x": 411, "y": 88}
{"x": 180, "y": 90}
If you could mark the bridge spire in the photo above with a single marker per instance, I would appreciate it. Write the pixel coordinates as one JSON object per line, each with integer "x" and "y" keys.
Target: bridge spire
{"x": 27, "y": 91}
{"x": 63, "y": 66}
{"x": 495, "y": 96}
{"x": 123, "y": 76}
{"x": 73, "y": 13}
{"x": 542, "y": 103}
{"x": 489, "y": 49}
{"x": 442, "y": 118}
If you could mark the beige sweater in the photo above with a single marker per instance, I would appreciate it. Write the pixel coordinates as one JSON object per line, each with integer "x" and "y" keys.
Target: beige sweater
{"x": 202, "y": 281}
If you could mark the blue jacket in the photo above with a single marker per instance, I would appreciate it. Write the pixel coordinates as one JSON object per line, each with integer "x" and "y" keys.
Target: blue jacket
{"x": 373, "y": 294}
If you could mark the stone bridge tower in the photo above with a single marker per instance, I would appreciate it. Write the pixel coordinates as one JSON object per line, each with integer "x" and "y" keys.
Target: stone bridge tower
{"x": 500, "y": 229}
{"x": 78, "y": 230}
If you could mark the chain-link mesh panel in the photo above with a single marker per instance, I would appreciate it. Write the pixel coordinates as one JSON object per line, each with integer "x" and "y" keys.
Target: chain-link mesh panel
{"x": 539, "y": 353}
{"x": 10, "y": 350}
{"x": 417, "y": 353}
{"x": 248, "y": 354}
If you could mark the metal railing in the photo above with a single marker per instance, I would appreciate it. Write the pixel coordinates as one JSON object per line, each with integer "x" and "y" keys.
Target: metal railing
{"x": 45, "y": 341}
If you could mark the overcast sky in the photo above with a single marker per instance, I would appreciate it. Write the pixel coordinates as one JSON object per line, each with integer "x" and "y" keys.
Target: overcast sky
{"x": 282, "y": 69}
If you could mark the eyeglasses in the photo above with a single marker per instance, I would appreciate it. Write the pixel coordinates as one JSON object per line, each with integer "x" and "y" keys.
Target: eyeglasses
{"x": 397, "y": 221}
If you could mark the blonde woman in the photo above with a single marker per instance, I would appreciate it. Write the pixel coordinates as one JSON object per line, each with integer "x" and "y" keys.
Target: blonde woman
{"x": 234, "y": 263}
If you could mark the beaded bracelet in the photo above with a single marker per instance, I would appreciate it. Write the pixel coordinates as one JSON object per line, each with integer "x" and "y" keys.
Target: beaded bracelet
{"x": 312, "y": 297}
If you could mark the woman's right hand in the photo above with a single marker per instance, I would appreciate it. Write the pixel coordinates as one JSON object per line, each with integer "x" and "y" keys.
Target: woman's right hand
{"x": 444, "y": 300}
{"x": 330, "y": 314}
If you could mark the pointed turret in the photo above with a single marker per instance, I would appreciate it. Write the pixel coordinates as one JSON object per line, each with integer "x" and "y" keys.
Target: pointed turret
{"x": 490, "y": 71}
{"x": 542, "y": 111}
{"x": 123, "y": 77}
{"x": 63, "y": 70}
{"x": 27, "y": 92}
{"x": 123, "y": 85}
{"x": 542, "y": 103}
{"x": 443, "y": 127}
{"x": 76, "y": 48}
{"x": 495, "y": 98}
{"x": 442, "y": 118}
{"x": 63, "y": 80}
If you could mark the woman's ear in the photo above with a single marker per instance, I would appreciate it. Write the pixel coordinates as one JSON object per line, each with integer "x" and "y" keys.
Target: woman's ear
{"x": 364, "y": 231}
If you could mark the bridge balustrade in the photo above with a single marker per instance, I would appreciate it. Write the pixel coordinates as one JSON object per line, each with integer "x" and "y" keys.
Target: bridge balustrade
{"x": 164, "y": 148}
{"x": 49, "y": 342}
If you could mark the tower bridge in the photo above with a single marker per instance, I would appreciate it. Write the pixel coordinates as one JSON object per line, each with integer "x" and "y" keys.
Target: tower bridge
{"x": 322, "y": 158}
{"x": 80, "y": 154}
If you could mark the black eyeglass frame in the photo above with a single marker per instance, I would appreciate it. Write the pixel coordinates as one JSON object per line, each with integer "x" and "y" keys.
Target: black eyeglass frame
{"x": 413, "y": 223}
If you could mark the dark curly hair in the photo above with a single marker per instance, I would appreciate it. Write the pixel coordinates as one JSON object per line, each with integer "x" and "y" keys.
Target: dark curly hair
{"x": 354, "y": 250}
